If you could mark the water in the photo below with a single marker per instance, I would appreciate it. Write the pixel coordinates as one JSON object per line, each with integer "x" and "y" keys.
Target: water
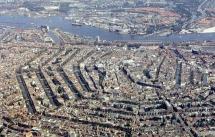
{"x": 88, "y": 31}
{"x": 208, "y": 49}
{"x": 55, "y": 38}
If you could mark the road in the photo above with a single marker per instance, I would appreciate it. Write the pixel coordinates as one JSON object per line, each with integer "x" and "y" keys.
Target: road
{"x": 194, "y": 14}
{"x": 200, "y": 9}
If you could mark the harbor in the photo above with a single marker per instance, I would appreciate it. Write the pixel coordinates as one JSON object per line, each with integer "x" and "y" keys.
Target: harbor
{"x": 92, "y": 32}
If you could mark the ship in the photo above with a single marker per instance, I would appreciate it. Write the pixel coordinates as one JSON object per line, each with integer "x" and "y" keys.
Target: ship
{"x": 76, "y": 24}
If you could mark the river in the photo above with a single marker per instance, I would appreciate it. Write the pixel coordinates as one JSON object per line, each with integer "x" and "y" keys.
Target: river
{"x": 89, "y": 31}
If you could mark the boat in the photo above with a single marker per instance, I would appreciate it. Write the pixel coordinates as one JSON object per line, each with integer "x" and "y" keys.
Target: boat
{"x": 76, "y": 24}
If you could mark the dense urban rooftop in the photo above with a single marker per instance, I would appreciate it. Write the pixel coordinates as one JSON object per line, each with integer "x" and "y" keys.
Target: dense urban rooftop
{"x": 55, "y": 83}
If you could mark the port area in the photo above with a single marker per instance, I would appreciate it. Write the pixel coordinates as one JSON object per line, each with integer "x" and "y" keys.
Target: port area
{"x": 148, "y": 17}
{"x": 81, "y": 87}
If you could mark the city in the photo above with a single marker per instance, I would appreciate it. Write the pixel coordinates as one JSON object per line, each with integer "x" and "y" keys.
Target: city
{"x": 56, "y": 82}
